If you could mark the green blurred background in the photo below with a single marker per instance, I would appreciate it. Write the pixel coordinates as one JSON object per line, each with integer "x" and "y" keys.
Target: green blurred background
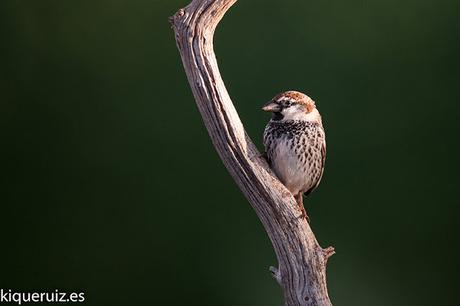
{"x": 110, "y": 185}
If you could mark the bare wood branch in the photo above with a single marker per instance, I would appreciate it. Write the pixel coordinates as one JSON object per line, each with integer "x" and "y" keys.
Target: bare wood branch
{"x": 302, "y": 262}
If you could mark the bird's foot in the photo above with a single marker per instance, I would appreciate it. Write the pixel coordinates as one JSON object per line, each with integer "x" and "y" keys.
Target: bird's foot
{"x": 304, "y": 215}
{"x": 264, "y": 155}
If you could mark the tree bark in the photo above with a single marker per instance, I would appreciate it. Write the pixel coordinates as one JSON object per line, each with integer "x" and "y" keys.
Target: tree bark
{"x": 302, "y": 262}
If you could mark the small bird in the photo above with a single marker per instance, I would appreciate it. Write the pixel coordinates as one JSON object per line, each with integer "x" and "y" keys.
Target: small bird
{"x": 295, "y": 143}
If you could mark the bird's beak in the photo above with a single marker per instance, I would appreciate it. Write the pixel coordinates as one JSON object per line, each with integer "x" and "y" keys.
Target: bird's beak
{"x": 271, "y": 107}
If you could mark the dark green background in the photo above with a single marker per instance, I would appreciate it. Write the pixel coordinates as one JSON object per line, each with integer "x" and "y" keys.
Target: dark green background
{"x": 110, "y": 185}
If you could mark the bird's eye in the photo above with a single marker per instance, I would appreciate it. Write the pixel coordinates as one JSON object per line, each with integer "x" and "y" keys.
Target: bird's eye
{"x": 287, "y": 103}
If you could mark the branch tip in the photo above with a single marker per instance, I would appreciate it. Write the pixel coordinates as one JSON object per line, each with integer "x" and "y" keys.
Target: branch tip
{"x": 179, "y": 14}
{"x": 328, "y": 252}
{"x": 276, "y": 274}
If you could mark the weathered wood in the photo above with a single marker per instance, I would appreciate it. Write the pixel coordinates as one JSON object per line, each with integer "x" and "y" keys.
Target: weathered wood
{"x": 301, "y": 260}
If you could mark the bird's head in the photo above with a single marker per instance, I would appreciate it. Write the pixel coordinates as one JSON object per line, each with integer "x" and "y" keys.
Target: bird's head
{"x": 292, "y": 105}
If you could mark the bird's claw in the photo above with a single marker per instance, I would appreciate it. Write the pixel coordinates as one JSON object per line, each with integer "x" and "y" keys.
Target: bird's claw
{"x": 304, "y": 215}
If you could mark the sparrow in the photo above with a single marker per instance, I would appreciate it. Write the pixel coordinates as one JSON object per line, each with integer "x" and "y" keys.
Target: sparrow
{"x": 295, "y": 143}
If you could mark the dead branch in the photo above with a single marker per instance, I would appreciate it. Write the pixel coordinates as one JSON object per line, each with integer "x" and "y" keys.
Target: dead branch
{"x": 301, "y": 268}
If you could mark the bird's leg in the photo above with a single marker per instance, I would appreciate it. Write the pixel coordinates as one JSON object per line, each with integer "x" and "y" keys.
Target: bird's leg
{"x": 299, "y": 199}
{"x": 264, "y": 155}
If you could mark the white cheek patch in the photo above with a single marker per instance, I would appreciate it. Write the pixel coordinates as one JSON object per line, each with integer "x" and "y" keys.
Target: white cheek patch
{"x": 293, "y": 112}
{"x": 288, "y": 111}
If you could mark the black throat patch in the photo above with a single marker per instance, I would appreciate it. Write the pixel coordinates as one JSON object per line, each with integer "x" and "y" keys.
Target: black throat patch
{"x": 277, "y": 116}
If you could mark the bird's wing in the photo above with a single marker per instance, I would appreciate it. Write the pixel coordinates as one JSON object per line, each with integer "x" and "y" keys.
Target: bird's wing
{"x": 323, "y": 161}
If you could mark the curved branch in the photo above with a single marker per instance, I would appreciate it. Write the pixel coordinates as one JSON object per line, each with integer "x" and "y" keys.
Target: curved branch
{"x": 301, "y": 260}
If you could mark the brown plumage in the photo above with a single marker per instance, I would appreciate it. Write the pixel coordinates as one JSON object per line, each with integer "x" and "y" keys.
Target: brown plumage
{"x": 295, "y": 143}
